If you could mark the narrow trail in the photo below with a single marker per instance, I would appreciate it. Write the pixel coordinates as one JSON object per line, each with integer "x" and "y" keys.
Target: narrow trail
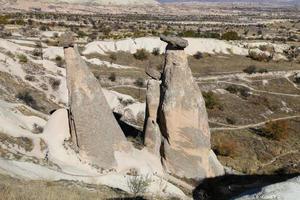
{"x": 254, "y": 125}
{"x": 261, "y": 91}
{"x": 278, "y": 157}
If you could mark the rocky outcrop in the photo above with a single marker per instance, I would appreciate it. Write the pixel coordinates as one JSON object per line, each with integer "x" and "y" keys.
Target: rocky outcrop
{"x": 94, "y": 129}
{"x": 182, "y": 118}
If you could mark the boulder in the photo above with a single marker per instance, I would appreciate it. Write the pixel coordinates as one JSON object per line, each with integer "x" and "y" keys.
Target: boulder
{"x": 94, "y": 129}
{"x": 259, "y": 55}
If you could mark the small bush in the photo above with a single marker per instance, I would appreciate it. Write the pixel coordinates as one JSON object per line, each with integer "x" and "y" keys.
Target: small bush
{"x": 138, "y": 185}
{"x": 139, "y": 82}
{"x": 231, "y": 35}
{"x": 113, "y": 56}
{"x": 55, "y": 83}
{"x": 112, "y": 77}
{"x": 37, "y": 129}
{"x": 156, "y": 51}
{"x": 26, "y": 97}
{"x": 30, "y": 78}
{"x": 250, "y": 70}
{"x": 239, "y": 90}
{"x": 37, "y": 52}
{"x": 263, "y": 70}
{"x": 225, "y": 148}
{"x": 231, "y": 120}
{"x": 141, "y": 54}
{"x": 211, "y": 101}
{"x": 59, "y": 61}
{"x": 198, "y": 55}
{"x": 276, "y": 130}
{"x": 22, "y": 58}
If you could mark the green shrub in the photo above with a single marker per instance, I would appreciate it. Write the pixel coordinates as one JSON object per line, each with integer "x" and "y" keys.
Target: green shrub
{"x": 236, "y": 89}
{"x": 141, "y": 54}
{"x": 156, "y": 51}
{"x": 22, "y": 58}
{"x": 113, "y": 56}
{"x": 250, "y": 70}
{"x": 231, "y": 35}
{"x": 198, "y": 55}
{"x": 139, "y": 82}
{"x": 112, "y": 77}
{"x": 211, "y": 101}
{"x": 4, "y": 19}
{"x": 55, "y": 83}
{"x": 59, "y": 61}
{"x": 27, "y": 98}
{"x": 81, "y": 34}
{"x": 139, "y": 184}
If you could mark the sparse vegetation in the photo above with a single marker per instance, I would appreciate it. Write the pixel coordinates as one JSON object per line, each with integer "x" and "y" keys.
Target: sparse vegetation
{"x": 226, "y": 147}
{"x": 139, "y": 82}
{"x": 276, "y": 130}
{"x": 37, "y": 129}
{"x": 27, "y": 98}
{"x": 231, "y": 35}
{"x": 198, "y": 55}
{"x": 240, "y": 90}
{"x": 59, "y": 61}
{"x": 211, "y": 100}
{"x": 22, "y": 58}
{"x": 55, "y": 83}
{"x": 138, "y": 184}
{"x": 141, "y": 54}
{"x": 112, "y": 77}
{"x": 156, "y": 51}
{"x": 250, "y": 70}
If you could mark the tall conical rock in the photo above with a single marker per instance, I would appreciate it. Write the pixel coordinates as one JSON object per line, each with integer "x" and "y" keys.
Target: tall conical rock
{"x": 94, "y": 129}
{"x": 182, "y": 118}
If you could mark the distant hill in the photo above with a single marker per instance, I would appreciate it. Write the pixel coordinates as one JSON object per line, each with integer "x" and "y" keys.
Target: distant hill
{"x": 113, "y": 2}
{"x": 233, "y": 1}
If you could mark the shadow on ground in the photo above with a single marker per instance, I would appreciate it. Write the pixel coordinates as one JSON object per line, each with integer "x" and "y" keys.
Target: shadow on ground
{"x": 229, "y": 186}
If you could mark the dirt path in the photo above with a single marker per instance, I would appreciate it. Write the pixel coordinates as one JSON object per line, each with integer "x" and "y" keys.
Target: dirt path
{"x": 278, "y": 157}
{"x": 254, "y": 125}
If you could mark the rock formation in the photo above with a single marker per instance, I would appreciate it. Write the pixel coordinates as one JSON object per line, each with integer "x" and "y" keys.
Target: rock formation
{"x": 176, "y": 110}
{"x": 94, "y": 129}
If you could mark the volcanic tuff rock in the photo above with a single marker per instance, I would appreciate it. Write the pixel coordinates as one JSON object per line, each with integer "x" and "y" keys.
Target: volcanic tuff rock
{"x": 174, "y": 42}
{"x": 94, "y": 129}
{"x": 152, "y": 131}
{"x": 182, "y": 118}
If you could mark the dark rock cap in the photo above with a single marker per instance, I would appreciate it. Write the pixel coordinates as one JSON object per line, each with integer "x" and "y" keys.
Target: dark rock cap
{"x": 174, "y": 42}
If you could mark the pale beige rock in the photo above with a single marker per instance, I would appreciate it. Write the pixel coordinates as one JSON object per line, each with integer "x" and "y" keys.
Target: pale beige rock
{"x": 152, "y": 132}
{"x": 94, "y": 128}
{"x": 183, "y": 122}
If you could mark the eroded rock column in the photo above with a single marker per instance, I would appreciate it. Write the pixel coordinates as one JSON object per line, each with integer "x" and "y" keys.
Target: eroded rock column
{"x": 182, "y": 118}
{"x": 96, "y": 131}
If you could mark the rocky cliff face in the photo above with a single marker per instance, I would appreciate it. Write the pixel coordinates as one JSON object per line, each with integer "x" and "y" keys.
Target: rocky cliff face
{"x": 182, "y": 118}
{"x": 94, "y": 129}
